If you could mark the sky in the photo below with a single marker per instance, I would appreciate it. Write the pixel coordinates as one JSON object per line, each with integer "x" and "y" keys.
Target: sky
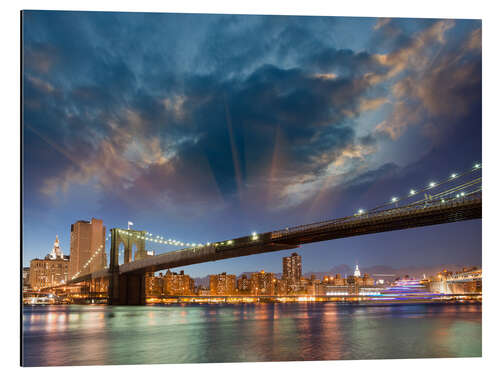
{"x": 205, "y": 127}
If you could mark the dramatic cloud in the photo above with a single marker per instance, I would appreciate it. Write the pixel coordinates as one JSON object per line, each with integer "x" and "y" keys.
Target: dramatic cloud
{"x": 237, "y": 108}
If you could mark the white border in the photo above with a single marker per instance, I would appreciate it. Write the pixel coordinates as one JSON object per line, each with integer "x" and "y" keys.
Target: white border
{"x": 384, "y": 8}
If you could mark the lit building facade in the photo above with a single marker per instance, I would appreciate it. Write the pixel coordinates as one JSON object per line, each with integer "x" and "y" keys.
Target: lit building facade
{"x": 466, "y": 281}
{"x": 177, "y": 284}
{"x": 262, "y": 283}
{"x": 154, "y": 285}
{"x": 26, "y": 278}
{"x": 51, "y": 271}
{"x": 292, "y": 268}
{"x": 222, "y": 284}
{"x": 87, "y": 237}
{"x": 244, "y": 286}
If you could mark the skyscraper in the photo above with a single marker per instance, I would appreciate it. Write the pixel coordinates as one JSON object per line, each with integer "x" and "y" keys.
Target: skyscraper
{"x": 292, "y": 268}
{"x": 357, "y": 272}
{"x": 87, "y": 239}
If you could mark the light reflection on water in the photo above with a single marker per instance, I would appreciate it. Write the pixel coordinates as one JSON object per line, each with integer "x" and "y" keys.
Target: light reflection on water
{"x": 98, "y": 335}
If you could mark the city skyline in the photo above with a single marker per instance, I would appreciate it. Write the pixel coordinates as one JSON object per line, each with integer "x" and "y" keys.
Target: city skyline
{"x": 343, "y": 269}
{"x": 177, "y": 139}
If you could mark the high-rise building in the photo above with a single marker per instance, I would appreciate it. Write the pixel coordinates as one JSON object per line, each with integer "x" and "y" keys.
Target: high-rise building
{"x": 262, "y": 283}
{"x": 292, "y": 268}
{"x": 222, "y": 284}
{"x": 87, "y": 240}
{"x": 357, "y": 272}
{"x": 244, "y": 286}
{"x": 292, "y": 273}
{"x": 177, "y": 284}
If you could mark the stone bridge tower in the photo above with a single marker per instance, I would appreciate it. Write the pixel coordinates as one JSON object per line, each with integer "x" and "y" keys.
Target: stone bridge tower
{"x": 128, "y": 289}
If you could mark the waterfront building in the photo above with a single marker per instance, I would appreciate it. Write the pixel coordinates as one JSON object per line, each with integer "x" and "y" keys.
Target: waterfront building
{"x": 154, "y": 284}
{"x": 339, "y": 280}
{"x": 222, "y": 284}
{"x": 262, "y": 283}
{"x": 203, "y": 292}
{"x": 26, "y": 278}
{"x": 244, "y": 286}
{"x": 51, "y": 271}
{"x": 87, "y": 237}
{"x": 336, "y": 290}
{"x": 352, "y": 285}
{"x": 281, "y": 287}
{"x": 367, "y": 281}
{"x": 315, "y": 287}
{"x": 469, "y": 280}
{"x": 177, "y": 284}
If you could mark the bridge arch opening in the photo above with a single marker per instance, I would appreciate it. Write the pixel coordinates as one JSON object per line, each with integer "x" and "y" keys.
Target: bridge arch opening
{"x": 121, "y": 253}
{"x": 133, "y": 252}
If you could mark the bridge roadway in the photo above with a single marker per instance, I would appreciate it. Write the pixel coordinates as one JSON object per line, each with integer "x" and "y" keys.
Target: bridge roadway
{"x": 412, "y": 216}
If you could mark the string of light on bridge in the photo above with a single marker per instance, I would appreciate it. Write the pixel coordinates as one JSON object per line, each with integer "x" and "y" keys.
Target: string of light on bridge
{"x": 414, "y": 192}
{"x": 160, "y": 239}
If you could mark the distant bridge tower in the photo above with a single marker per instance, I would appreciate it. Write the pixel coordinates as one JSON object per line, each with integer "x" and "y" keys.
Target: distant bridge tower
{"x": 126, "y": 289}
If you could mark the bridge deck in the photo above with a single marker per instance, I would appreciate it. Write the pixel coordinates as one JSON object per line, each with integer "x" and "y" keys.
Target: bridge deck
{"x": 429, "y": 213}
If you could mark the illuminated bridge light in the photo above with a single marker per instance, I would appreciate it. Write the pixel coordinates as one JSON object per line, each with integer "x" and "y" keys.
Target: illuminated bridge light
{"x": 432, "y": 184}
{"x": 453, "y": 175}
{"x": 361, "y": 211}
{"x": 394, "y": 199}
{"x": 477, "y": 165}
{"x": 462, "y": 194}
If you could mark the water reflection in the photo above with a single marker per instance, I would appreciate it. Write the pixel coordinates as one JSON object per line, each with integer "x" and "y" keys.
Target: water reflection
{"x": 91, "y": 335}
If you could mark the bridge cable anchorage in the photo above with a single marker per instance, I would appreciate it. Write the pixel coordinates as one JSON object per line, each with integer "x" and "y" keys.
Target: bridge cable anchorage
{"x": 432, "y": 185}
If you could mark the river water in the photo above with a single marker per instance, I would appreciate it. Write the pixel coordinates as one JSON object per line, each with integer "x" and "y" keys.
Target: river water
{"x": 112, "y": 335}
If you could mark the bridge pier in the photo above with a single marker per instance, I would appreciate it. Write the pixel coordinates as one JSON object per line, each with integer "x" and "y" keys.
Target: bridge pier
{"x": 127, "y": 289}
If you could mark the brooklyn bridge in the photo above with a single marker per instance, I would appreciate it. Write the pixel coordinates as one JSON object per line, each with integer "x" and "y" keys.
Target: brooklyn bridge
{"x": 457, "y": 197}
